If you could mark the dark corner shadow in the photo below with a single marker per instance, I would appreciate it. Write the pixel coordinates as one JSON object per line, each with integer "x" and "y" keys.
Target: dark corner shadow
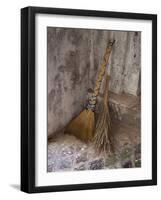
{"x": 15, "y": 186}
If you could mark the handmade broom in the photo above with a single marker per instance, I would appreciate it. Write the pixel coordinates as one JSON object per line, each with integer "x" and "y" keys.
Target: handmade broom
{"x": 83, "y": 125}
{"x": 102, "y": 136}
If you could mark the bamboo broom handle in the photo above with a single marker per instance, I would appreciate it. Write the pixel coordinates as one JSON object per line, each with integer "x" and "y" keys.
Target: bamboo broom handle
{"x": 106, "y": 95}
{"x": 93, "y": 99}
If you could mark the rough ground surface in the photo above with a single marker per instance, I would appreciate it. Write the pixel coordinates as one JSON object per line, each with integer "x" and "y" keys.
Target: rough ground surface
{"x": 67, "y": 153}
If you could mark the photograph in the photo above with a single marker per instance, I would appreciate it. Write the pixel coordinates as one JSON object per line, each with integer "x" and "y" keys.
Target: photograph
{"x": 93, "y": 99}
{"x": 88, "y": 93}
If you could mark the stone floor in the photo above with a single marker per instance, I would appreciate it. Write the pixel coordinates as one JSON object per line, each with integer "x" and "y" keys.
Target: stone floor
{"x": 67, "y": 153}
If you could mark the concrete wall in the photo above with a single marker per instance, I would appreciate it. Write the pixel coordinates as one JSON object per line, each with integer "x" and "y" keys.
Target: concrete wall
{"x": 74, "y": 57}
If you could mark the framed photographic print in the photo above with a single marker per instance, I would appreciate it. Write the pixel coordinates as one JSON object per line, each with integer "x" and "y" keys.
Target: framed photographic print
{"x": 88, "y": 99}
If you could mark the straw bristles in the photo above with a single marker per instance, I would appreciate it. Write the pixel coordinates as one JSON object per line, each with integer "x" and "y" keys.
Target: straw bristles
{"x": 82, "y": 126}
{"x": 102, "y": 137}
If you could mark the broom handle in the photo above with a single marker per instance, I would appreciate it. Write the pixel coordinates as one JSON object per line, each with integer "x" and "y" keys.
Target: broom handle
{"x": 106, "y": 95}
{"x": 103, "y": 69}
{"x": 93, "y": 99}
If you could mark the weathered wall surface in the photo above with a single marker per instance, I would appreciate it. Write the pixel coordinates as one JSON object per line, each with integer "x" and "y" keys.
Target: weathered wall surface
{"x": 74, "y": 58}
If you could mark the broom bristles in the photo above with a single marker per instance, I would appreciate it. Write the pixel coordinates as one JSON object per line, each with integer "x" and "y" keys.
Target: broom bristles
{"x": 82, "y": 126}
{"x": 102, "y": 137}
